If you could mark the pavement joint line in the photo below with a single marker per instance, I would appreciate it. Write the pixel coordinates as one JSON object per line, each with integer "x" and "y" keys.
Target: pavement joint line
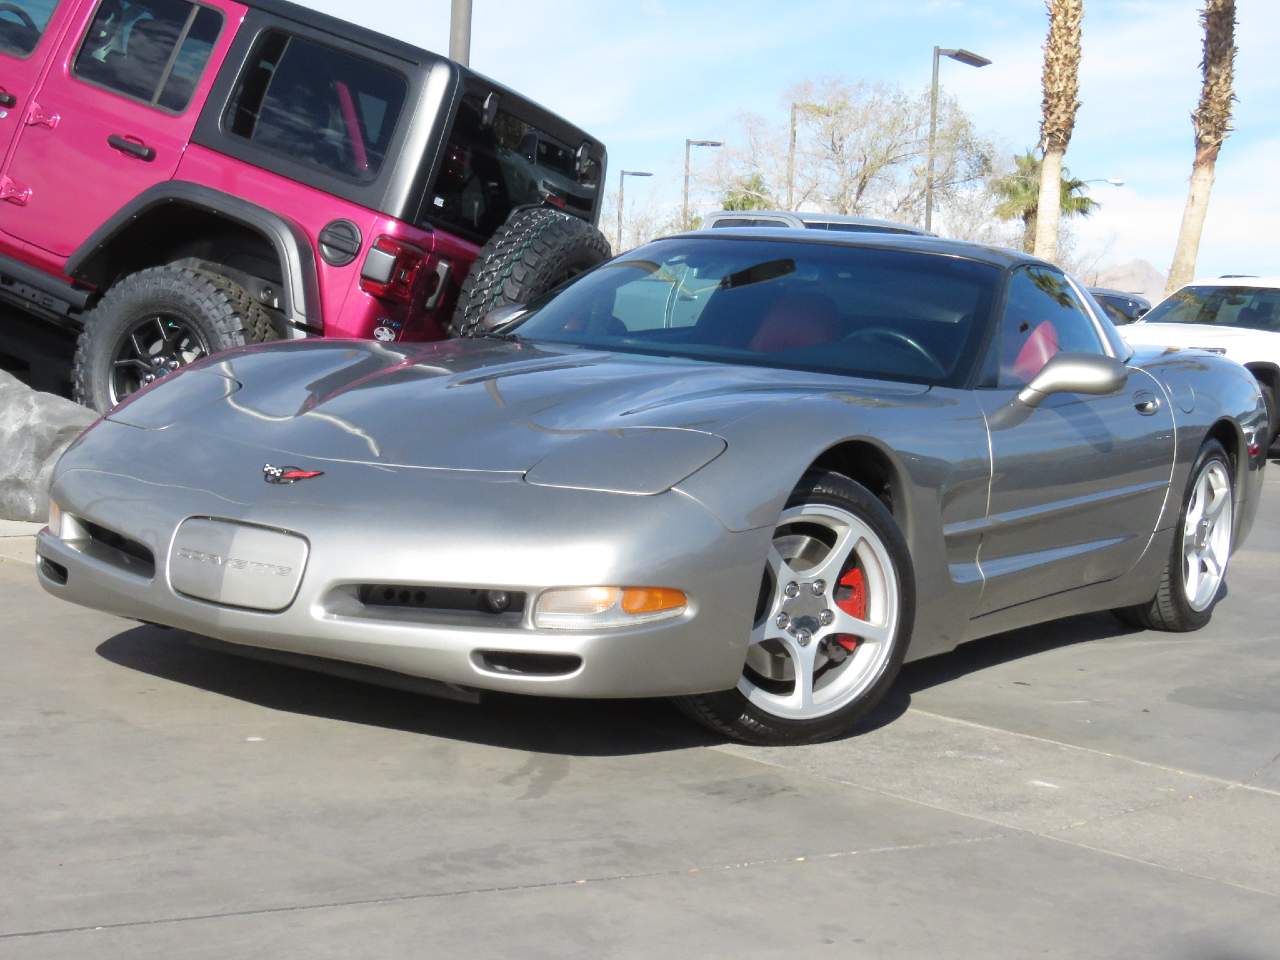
{"x": 1014, "y": 828}
{"x": 1207, "y": 777}
{"x": 511, "y": 888}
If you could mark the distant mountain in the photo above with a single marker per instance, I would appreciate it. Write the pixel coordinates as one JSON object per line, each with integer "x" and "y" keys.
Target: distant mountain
{"x": 1136, "y": 276}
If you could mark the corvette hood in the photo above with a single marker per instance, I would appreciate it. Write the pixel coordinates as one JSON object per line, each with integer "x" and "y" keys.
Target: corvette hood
{"x": 464, "y": 404}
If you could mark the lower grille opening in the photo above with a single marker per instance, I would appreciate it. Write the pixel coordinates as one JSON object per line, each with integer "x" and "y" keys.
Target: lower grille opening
{"x": 529, "y": 664}
{"x": 54, "y": 571}
{"x": 129, "y": 554}
{"x": 447, "y": 599}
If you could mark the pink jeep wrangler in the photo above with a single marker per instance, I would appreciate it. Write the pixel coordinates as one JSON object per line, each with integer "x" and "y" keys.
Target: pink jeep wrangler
{"x": 183, "y": 177}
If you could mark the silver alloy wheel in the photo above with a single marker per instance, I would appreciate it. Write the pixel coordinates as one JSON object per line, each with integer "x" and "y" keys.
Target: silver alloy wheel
{"x": 1206, "y": 535}
{"x": 798, "y": 665}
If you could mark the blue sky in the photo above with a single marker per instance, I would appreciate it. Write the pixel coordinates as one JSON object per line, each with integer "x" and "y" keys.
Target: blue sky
{"x": 645, "y": 74}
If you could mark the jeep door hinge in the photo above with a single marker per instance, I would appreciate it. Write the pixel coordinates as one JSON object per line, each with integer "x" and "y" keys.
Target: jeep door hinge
{"x": 37, "y": 117}
{"x": 12, "y": 192}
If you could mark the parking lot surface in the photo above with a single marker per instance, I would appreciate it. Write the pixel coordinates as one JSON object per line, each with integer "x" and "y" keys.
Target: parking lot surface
{"x": 1074, "y": 790}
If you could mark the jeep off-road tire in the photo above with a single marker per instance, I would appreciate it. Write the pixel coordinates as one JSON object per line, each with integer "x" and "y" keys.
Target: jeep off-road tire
{"x": 217, "y": 312}
{"x": 536, "y": 250}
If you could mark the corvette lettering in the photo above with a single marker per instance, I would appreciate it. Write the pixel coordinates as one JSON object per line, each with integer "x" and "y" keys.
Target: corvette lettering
{"x": 233, "y": 563}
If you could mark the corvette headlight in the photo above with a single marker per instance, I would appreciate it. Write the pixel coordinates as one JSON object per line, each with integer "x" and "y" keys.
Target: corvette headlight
{"x": 589, "y": 608}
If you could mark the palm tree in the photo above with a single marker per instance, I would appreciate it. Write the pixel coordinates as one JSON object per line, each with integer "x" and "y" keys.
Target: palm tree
{"x": 747, "y": 192}
{"x": 1019, "y": 194}
{"x": 1212, "y": 123}
{"x": 1059, "y": 106}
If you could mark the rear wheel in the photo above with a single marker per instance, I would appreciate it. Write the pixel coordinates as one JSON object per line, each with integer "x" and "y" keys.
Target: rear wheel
{"x": 1273, "y": 415}
{"x": 833, "y": 618}
{"x": 1197, "y": 565}
{"x": 536, "y": 250}
{"x": 154, "y": 321}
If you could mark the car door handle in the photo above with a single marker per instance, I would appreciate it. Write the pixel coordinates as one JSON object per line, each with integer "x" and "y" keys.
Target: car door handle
{"x": 1146, "y": 403}
{"x": 7, "y": 99}
{"x": 135, "y": 148}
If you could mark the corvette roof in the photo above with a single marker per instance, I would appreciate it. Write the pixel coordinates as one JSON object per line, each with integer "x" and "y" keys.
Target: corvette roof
{"x": 996, "y": 256}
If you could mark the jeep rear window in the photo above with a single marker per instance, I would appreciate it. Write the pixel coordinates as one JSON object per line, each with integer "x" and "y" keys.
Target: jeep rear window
{"x": 317, "y": 105}
{"x": 151, "y": 50}
{"x": 491, "y": 168}
{"x": 22, "y": 23}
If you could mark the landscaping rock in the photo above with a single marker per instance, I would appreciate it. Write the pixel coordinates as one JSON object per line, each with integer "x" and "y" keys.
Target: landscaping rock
{"x": 34, "y": 430}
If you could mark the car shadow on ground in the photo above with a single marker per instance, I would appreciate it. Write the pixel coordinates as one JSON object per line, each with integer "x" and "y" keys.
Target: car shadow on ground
{"x": 537, "y": 724}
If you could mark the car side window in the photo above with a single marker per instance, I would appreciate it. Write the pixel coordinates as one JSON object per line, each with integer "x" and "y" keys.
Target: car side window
{"x": 1042, "y": 317}
{"x": 22, "y": 23}
{"x": 150, "y": 50}
{"x": 317, "y": 105}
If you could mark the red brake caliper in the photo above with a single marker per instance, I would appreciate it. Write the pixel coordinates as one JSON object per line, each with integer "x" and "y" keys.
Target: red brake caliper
{"x": 852, "y": 599}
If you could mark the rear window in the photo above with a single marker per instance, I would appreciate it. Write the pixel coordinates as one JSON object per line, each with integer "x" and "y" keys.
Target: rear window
{"x": 317, "y": 105}
{"x": 1255, "y": 308}
{"x": 22, "y": 23}
{"x": 150, "y": 50}
{"x": 494, "y": 165}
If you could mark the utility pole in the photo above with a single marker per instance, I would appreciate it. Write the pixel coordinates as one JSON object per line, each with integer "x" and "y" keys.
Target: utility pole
{"x": 460, "y": 32}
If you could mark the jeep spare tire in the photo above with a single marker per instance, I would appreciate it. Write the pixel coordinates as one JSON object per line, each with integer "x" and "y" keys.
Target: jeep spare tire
{"x": 536, "y": 250}
{"x": 152, "y": 322}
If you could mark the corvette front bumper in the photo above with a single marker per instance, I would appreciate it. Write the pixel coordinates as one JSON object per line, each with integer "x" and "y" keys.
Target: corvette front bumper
{"x": 457, "y": 530}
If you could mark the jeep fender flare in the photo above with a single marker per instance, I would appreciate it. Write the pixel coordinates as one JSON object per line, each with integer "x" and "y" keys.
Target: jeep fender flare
{"x": 299, "y": 296}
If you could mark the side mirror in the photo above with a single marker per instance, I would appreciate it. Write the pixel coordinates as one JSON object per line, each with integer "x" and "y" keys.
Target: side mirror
{"x": 500, "y": 317}
{"x": 1075, "y": 373}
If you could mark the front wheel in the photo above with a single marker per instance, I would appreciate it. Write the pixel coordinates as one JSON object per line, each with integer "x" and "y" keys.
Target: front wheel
{"x": 1196, "y": 569}
{"x": 832, "y": 620}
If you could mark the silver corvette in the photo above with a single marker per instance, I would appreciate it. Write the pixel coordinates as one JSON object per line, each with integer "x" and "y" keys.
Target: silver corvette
{"x": 751, "y": 470}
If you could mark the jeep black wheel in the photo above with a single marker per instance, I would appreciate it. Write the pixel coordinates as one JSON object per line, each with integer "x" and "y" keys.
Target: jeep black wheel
{"x": 152, "y": 322}
{"x": 536, "y": 250}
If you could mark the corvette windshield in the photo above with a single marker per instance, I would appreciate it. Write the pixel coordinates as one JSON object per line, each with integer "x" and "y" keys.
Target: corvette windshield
{"x": 862, "y": 311}
{"x": 1255, "y": 308}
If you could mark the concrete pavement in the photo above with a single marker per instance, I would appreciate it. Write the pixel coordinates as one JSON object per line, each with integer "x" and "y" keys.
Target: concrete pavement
{"x": 1076, "y": 790}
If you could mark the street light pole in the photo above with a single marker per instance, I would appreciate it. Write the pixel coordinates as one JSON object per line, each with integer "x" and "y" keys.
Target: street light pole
{"x": 960, "y": 56}
{"x": 791, "y": 162}
{"x": 460, "y": 32}
{"x": 684, "y": 209}
{"x": 621, "y": 187}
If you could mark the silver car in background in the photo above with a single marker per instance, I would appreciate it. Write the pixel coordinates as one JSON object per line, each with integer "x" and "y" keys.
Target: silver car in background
{"x": 752, "y": 470}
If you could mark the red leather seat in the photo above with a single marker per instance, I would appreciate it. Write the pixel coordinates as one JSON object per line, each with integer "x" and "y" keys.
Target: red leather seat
{"x": 796, "y": 320}
{"x": 1036, "y": 352}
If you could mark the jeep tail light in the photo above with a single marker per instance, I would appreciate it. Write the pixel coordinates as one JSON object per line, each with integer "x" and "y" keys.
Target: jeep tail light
{"x": 392, "y": 270}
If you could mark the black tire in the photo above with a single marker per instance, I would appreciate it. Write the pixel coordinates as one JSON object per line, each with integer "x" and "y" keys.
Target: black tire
{"x": 1273, "y": 415}
{"x": 731, "y": 714}
{"x": 218, "y": 309}
{"x": 1169, "y": 610}
{"x": 536, "y": 250}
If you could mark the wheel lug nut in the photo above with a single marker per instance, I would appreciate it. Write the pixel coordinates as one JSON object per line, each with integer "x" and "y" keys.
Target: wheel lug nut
{"x": 819, "y": 587}
{"x": 791, "y": 590}
{"x": 782, "y": 621}
{"x": 803, "y": 637}
{"x": 826, "y": 617}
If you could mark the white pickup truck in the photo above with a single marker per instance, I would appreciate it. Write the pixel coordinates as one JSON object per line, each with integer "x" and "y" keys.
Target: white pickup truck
{"x": 1235, "y": 316}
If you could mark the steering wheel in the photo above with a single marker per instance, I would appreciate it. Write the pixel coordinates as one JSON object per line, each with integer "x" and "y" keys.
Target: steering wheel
{"x": 22, "y": 15}
{"x": 885, "y": 333}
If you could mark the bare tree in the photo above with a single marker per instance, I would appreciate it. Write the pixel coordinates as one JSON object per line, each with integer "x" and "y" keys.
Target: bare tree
{"x": 860, "y": 149}
{"x": 1061, "y": 83}
{"x": 1212, "y": 123}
